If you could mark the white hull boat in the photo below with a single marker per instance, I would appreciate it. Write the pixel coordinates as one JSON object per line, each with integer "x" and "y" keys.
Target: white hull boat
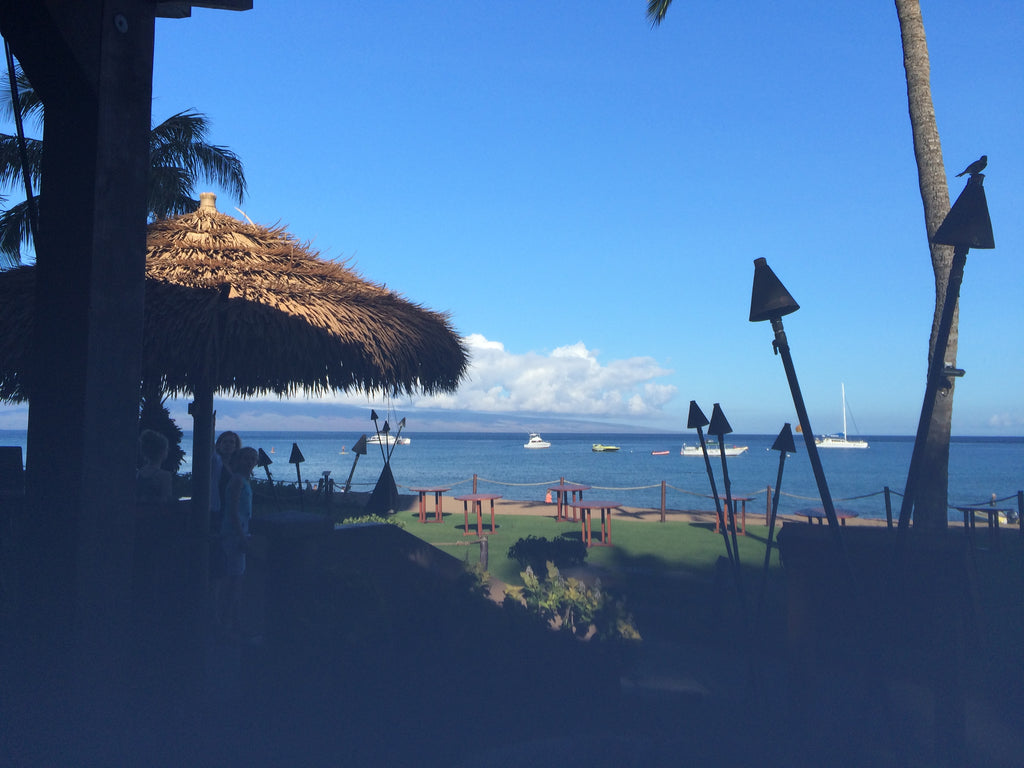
{"x": 388, "y": 440}
{"x": 536, "y": 441}
{"x": 713, "y": 450}
{"x": 840, "y": 441}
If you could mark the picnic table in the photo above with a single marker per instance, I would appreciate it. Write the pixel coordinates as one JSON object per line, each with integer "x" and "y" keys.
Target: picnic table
{"x": 992, "y": 513}
{"x": 818, "y": 513}
{"x": 477, "y": 500}
{"x": 562, "y": 491}
{"x": 743, "y": 514}
{"x": 438, "y": 492}
{"x": 585, "y": 508}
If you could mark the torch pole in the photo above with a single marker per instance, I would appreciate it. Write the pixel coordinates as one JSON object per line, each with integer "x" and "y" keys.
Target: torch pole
{"x": 714, "y": 492}
{"x": 935, "y": 380}
{"x": 771, "y": 532}
{"x": 781, "y": 345}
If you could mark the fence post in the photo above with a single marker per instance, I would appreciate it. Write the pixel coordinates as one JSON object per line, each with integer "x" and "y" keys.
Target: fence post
{"x": 768, "y": 506}
{"x": 1020, "y": 510}
{"x": 474, "y": 482}
{"x": 888, "y": 507}
{"x": 663, "y": 501}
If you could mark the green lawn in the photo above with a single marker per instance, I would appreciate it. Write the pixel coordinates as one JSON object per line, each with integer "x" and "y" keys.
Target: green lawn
{"x": 652, "y": 547}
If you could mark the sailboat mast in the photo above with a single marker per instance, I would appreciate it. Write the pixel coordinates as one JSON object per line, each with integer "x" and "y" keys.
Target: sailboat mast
{"x": 843, "y": 386}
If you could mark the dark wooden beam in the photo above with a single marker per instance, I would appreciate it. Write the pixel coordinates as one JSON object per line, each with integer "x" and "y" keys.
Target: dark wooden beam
{"x": 180, "y": 9}
{"x": 91, "y": 61}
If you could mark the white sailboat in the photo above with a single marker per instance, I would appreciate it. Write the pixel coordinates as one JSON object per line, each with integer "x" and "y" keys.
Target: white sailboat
{"x": 840, "y": 441}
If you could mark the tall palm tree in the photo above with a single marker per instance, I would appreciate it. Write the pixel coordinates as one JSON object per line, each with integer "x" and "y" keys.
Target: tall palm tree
{"x": 930, "y": 511}
{"x": 180, "y": 156}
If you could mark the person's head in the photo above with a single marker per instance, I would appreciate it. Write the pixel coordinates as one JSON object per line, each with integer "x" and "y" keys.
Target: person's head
{"x": 153, "y": 446}
{"x": 244, "y": 461}
{"x": 228, "y": 443}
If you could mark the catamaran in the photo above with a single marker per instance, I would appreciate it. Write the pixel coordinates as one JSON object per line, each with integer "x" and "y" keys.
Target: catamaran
{"x": 840, "y": 441}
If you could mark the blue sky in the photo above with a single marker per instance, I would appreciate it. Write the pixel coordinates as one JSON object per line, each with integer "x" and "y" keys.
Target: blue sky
{"x": 585, "y": 195}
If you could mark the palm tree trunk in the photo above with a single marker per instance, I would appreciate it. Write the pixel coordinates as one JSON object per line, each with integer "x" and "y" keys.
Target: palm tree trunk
{"x": 932, "y": 483}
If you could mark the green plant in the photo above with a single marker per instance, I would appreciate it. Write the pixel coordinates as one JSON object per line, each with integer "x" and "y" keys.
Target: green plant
{"x": 569, "y": 604}
{"x": 371, "y": 519}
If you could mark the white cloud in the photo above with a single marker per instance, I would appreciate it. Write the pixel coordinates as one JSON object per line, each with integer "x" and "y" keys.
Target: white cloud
{"x": 1003, "y": 422}
{"x": 570, "y": 380}
{"x": 567, "y": 381}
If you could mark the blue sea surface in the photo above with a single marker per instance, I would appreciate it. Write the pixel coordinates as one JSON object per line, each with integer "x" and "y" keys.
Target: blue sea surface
{"x": 978, "y": 467}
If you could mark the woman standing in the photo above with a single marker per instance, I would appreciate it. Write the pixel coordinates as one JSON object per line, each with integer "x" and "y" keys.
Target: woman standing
{"x": 234, "y": 537}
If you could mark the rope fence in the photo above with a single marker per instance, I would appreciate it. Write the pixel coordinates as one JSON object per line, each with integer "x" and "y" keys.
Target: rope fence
{"x": 1016, "y": 498}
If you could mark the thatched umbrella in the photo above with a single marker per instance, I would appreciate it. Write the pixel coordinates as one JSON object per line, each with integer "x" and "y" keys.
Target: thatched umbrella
{"x": 244, "y": 309}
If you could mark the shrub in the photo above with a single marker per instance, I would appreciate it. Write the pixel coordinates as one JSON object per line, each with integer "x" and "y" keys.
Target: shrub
{"x": 535, "y": 551}
{"x": 570, "y": 605}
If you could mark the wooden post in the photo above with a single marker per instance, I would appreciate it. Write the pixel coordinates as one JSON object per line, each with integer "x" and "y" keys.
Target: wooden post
{"x": 767, "y": 505}
{"x": 663, "y": 501}
{"x": 91, "y": 63}
{"x": 474, "y": 482}
{"x": 888, "y": 506}
{"x": 1020, "y": 511}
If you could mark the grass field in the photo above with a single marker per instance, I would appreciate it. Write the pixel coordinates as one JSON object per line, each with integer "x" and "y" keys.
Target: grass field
{"x": 656, "y": 548}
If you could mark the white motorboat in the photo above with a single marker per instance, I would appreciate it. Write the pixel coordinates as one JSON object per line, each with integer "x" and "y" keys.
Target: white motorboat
{"x": 536, "y": 441}
{"x": 713, "y": 449}
{"x": 388, "y": 439}
{"x": 841, "y": 440}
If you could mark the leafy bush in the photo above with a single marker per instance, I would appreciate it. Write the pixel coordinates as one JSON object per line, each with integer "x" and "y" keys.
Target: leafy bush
{"x": 535, "y": 551}
{"x": 371, "y": 519}
{"x": 569, "y": 604}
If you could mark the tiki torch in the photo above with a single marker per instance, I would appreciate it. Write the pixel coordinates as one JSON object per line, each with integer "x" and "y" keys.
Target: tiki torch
{"x": 966, "y": 226}
{"x": 297, "y": 458}
{"x": 697, "y": 420}
{"x": 359, "y": 449}
{"x": 769, "y": 300}
{"x": 783, "y": 444}
{"x": 264, "y": 461}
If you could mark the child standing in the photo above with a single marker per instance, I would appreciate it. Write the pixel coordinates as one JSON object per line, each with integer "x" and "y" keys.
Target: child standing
{"x": 152, "y": 481}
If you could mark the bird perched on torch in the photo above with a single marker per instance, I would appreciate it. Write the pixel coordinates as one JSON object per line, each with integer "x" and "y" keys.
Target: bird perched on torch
{"x": 976, "y": 167}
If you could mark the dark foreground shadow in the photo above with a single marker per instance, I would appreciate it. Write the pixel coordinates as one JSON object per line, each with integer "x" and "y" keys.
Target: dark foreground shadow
{"x": 375, "y": 649}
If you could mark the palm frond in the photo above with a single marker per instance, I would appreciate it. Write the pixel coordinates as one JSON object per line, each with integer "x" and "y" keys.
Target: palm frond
{"x": 180, "y": 141}
{"x": 14, "y": 232}
{"x": 656, "y": 10}
{"x": 170, "y": 189}
{"x": 10, "y": 162}
{"x": 28, "y": 98}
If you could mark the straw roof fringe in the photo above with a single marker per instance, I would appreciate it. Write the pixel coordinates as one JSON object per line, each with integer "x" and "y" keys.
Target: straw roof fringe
{"x": 249, "y": 309}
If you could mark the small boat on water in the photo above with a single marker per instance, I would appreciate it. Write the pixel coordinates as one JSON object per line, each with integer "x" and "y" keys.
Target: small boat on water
{"x": 536, "y": 441}
{"x": 841, "y": 440}
{"x": 660, "y": 453}
{"x": 601, "y": 448}
{"x": 713, "y": 449}
{"x": 388, "y": 439}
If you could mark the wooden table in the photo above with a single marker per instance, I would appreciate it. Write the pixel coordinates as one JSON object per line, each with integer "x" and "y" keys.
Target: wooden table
{"x": 563, "y": 490}
{"x": 743, "y": 514}
{"x": 477, "y": 499}
{"x": 818, "y": 513}
{"x": 585, "y": 509}
{"x": 437, "y": 491}
{"x": 993, "y": 521}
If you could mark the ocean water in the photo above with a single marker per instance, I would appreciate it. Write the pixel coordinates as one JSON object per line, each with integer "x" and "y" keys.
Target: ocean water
{"x": 978, "y": 467}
